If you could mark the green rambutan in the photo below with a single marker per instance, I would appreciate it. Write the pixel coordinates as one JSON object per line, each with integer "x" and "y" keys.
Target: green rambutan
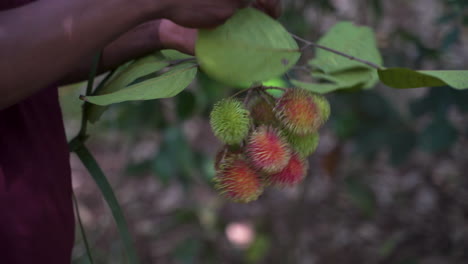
{"x": 301, "y": 112}
{"x": 267, "y": 150}
{"x": 237, "y": 181}
{"x": 292, "y": 174}
{"x": 303, "y": 145}
{"x": 230, "y": 121}
{"x": 323, "y": 106}
{"x": 262, "y": 112}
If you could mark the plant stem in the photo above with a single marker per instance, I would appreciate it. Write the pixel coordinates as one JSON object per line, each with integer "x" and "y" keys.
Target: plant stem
{"x": 312, "y": 44}
{"x": 89, "y": 91}
{"x": 82, "y": 230}
{"x": 247, "y": 97}
{"x": 265, "y": 96}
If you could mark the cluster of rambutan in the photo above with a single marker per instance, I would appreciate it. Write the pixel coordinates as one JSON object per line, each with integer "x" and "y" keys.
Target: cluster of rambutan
{"x": 267, "y": 140}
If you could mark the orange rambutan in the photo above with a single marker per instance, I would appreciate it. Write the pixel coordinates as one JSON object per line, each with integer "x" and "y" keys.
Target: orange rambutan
{"x": 300, "y": 111}
{"x": 267, "y": 150}
{"x": 237, "y": 181}
{"x": 292, "y": 174}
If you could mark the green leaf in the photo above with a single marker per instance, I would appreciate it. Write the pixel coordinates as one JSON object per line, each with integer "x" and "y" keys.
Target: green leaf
{"x": 138, "y": 69}
{"x": 98, "y": 175}
{"x": 166, "y": 85}
{"x": 321, "y": 88}
{"x": 129, "y": 74}
{"x": 403, "y": 78}
{"x": 346, "y": 78}
{"x": 350, "y": 39}
{"x": 172, "y": 55}
{"x": 250, "y": 47}
{"x": 354, "y": 78}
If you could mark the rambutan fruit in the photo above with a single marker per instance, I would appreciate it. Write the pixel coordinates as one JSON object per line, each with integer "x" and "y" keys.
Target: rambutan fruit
{"x": 225, "y": 153}
{"x": 230, "y": 121}
{"x": 292, "y": 174}
{"x": 323, "y": 106}
{"x": 261, "y": 112}
{"x": 267, "y": 150}
{"x": 237, "y": 181}
{"x": 303, "y": 145}
{"x": 301, "y": 112}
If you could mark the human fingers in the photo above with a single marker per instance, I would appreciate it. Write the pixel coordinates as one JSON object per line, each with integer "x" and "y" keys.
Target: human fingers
{"x": 270, "y": 7}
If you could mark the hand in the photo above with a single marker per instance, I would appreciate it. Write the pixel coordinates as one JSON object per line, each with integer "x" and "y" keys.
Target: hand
{"x": 174, "y": 36}
{"x": 200, "y": 13}
{"x": 270, "y": 7}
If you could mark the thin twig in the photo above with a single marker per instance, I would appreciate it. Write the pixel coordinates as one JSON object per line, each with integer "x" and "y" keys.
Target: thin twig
{"x": 247, "y": 97}
{"x": 264, "y": 96}
{"x": 245, "y": 90}
{"x": 309, "y": 44}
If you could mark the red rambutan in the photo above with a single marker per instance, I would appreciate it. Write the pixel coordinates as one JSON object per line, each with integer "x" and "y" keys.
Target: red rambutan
{"x": 292, "y": 174}
{"x": 299, "y": 112}
{"x": 268, "y": 150}
{"x": 237, "y": 181}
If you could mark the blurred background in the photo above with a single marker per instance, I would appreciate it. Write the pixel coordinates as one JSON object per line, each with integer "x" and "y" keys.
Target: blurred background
{"x": 386, "y": 185}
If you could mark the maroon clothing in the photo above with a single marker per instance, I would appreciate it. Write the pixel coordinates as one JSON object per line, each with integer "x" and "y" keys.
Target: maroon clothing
{"x": 36, "y": 210}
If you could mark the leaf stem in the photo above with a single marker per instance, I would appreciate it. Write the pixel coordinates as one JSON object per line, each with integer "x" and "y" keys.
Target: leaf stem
{"x": 248, "y": 96}
{"x": 266, "y": 97}
{"x": 89, "y": 90}
{"x": 180, "y": 61}
{"x": 312, "y": 44}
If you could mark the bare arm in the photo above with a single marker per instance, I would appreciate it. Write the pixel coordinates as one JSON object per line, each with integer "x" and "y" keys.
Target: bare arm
{"x": 142, "y": 40}
{"x": 44, "y": 41}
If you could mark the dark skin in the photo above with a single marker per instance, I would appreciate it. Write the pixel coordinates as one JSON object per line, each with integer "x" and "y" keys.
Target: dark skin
{"x": 53, "y": 41}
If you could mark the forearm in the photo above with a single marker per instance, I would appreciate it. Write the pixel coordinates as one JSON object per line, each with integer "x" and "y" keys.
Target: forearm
{"x": 142, "y": 40}
{"x": 43, "y": 41}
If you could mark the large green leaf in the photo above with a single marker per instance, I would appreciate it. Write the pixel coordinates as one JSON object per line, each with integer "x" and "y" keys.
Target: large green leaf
{"x": 126, "y": 76}
{"x": 407, "y": 78}
{"x": 139, "y": 68}
{"x": 165, "y": 85}
{"x": 250, "y": 47}
{"x": 106, "y": 189}
{"x": 351, "y": 40}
